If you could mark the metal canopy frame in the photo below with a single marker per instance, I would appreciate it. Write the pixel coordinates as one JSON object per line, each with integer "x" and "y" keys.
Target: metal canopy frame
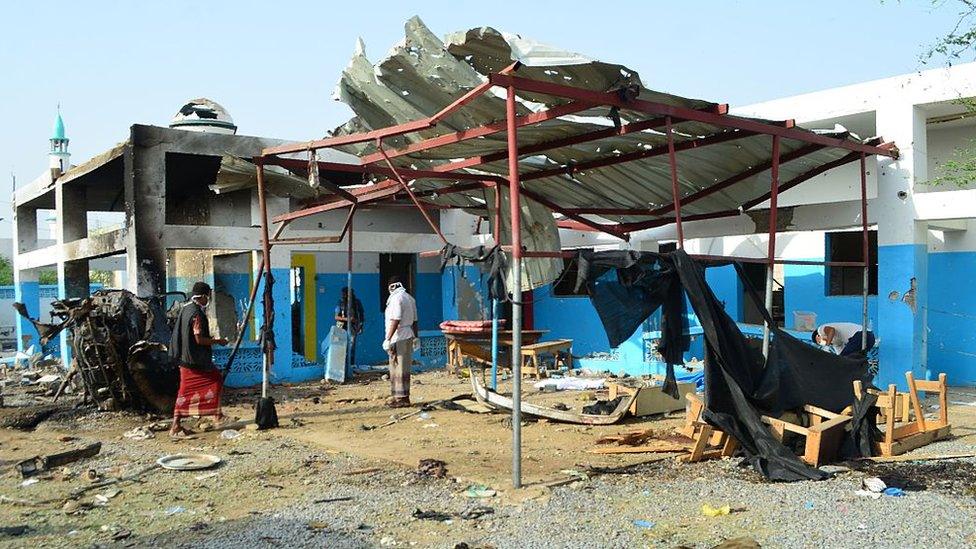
{"x": 659, "y": 115}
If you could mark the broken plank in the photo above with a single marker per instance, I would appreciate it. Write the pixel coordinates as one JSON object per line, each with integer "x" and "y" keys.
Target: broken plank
{"x": 363, "y": 471}
{"x": 31, "y": 466}
{"x": 919, "y": 457}
{"x": 640, "y": 449}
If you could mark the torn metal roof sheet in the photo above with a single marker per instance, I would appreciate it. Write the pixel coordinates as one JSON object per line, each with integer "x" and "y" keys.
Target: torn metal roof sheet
{"x": 423, "y": 74}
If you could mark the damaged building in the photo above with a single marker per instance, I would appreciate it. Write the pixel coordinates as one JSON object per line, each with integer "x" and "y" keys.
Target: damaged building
{"x": 186, "y": 197}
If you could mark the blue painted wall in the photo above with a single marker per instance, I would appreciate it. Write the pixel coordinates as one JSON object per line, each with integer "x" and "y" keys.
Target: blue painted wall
{"x": 901, "y": 331}
{"x": 727, "y": 287}
{"x": 951, "y": 316}
{"x": 806, "y": 290}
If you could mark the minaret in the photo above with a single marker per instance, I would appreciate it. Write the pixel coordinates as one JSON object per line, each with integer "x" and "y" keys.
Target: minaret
{"x": 59, "y": 154}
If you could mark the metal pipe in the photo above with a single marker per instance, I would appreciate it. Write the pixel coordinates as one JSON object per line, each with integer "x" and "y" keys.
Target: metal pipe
{"x": 675, "y": 195}
{"x": 865, "y": 250}
{"x": 496, "y": 302}
{"x": 516, "y": 283}
{"x": 349, "y": 309}
{"x": 771, "y": 254}
{"x": 268, "y": 360}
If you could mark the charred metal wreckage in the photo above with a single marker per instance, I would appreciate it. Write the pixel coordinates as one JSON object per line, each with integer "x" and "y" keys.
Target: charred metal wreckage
{"x": 117, "y": 351}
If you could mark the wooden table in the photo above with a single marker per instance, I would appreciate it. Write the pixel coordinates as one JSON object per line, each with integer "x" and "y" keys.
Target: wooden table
{"x": 560, "y": 348}
{"x": 461, "y": 345}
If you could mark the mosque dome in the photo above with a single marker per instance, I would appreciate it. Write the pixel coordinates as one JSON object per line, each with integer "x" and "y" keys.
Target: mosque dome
{"x": 204, "y": 115}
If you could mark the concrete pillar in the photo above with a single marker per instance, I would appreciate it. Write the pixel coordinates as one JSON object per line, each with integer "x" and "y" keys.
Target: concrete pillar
{"x": 144, "y": 183}
{"x": 71, "y": 213}
{"x": 26, "y": 288}
{"x": 902, "y": 246}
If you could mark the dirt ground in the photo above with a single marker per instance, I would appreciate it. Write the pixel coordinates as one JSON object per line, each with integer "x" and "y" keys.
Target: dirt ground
{"x": 322, "y": 434}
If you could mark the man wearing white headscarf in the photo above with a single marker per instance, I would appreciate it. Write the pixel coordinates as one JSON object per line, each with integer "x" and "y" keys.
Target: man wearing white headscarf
{"x": 398, "y": 340}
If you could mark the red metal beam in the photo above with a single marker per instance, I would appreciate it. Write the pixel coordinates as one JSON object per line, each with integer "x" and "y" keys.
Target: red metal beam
{"x": 803, "y": 177}
{"x": 406, "y": 187}
{"x": 675, "y": 193}
{"x": 637, "y": 155}
{"x": 774, "y": 198}
{"x": 298, "y": 164}
{"x": 611, "y": 230}
{"x": 481, "y": 131}
{"x": 329, "y": 142}
{"x": 364, "y": 195}
{"x": 684, "y": 113}
{"x": 625, "y": 129}
{"x": 473, "y": 94}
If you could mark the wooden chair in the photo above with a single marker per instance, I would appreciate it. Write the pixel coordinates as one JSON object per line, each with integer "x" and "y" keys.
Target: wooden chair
{"x": 561, "y": 349}
{"x": 913, "y": 432}
{"x": 707, "y": 441}
{"x": 823, "y": 436}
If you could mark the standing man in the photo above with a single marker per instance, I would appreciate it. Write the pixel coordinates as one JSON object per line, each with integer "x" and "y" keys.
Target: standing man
{"x": 401, "y": 329}
{"x": 351, "y": 321}
{"x": 191, "y": 346}
{"x": 843, "y": 338}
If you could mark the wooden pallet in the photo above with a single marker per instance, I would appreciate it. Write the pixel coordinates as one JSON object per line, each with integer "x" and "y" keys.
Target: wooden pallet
{"x": 707, "y": 441}
{"x": 823, "y": 436}
{"x": 912, "y": 433}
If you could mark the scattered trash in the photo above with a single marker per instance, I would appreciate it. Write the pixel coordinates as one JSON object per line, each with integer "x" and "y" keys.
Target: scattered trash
{"x": 121, "y": 535}
{"x": 867, "y": 494}
{"x": 873, "y": 484}
{"x": 894, "y": 492}
{"x": 317, "y": 525}
{"x": 14, "y": 531}
{"x": 139, "y": 433}
{"x": 710, "y": 511}
{"x": 432, "y": 468}
{"x": 834, "y": 469}
{"x": 71, "y": 506}
{"x": 424, "y": 415}
{"x": 28, "y": 482}
{"x": 476, "y": 512}
{"x": 36, "y": 464}
{"x": 205, "y": 476}
{"x": 479, "y": 491}
{"x": 580, "y": 475}
{"x": 430, "y": 515}
{"x": 560, "y": 406}
{"x": 808, "y": 505}
{"x": 387, "y": 541}
{"x": 229, "y": 434}
{"x": 430, "y": 425}
{"x": 362, "y": 471}
{"x": 643, "y": 523}
{"x": 174, "y": 510}
{"x": 603, "y": 407}
{"x": 333, "y": 500}
{"x": 187, "y": 462}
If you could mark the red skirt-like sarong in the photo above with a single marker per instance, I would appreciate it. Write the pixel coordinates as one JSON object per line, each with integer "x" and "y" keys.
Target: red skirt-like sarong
{"x": 199, "y": 392}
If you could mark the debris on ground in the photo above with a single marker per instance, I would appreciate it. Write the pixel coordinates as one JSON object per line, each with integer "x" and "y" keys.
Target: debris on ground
{"x": 431, "y": 468}
{"x": 37, "y": 464}
{"x": 602, "y": 407}
{"x": 710, "y": 511}
{"x": 139, "y": 433}
{"x": 479, "y": 491}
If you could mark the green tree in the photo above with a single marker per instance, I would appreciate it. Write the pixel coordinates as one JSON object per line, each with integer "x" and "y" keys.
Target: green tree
{"x": 6, "y": 272}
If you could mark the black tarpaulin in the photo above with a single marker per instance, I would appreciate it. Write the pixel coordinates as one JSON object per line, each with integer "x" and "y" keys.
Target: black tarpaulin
{"x": 490, "y": 261}
{"x": 740, "y": 385}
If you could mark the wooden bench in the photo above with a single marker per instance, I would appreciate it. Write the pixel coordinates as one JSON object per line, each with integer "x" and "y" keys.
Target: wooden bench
{"x": 823, "y": 436}
{"x": 912, "y": 434}
{"x": 561, "y": 349}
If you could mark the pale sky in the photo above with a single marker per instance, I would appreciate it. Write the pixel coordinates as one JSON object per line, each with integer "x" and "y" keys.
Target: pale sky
{"x": 273, "y": 65}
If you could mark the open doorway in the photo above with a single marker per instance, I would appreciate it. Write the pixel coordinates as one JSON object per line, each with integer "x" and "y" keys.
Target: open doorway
{"x": 402, "y": 265}
{"x": 303, "y": 312}
{"x": 756, "y": 274}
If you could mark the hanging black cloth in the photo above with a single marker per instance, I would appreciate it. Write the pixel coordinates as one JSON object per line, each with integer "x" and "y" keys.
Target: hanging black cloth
{"x": 626, "y": 287}
{"x": 490, "y": 261}
{"x": 740, "y": 385}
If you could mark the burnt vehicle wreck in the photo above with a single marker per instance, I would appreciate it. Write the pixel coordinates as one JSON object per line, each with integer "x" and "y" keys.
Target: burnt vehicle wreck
{"x": 117, "y": 341}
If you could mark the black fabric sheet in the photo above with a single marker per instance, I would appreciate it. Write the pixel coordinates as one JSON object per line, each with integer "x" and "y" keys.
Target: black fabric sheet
{"x": 490, "y": 261}
{"x": 626, "y": 287}
{"x": 740, "y": 385}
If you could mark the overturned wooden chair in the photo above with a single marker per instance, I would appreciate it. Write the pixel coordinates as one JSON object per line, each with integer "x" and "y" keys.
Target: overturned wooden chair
{"x": 460, "y": 352}
{"x": 906, "y": 429}
{"x": 823, "y": 434}
{"x": 707, "y": 441}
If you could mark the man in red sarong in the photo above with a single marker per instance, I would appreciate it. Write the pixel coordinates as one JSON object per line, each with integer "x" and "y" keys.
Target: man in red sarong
{"x": 201, "y": 383}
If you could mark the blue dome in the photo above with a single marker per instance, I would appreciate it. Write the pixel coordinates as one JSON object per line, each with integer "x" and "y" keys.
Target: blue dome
{"x": 58, "y": 129}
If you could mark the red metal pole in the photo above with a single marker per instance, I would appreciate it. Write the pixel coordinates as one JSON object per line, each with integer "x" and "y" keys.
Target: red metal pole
{"x": 423, "y": 211}
{"x": 497, "y": 233}
{"x": 771, "y": 254}
{"x": 865, "y": 254}
{"x": 516, "y": 285}
{"x": 675, "y": 195}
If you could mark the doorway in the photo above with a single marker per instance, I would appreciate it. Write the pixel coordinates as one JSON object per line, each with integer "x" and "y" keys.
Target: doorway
{"x": 756, "y": 274}
{"x": 302, "y": 296}
{"x": 402, "y": 265}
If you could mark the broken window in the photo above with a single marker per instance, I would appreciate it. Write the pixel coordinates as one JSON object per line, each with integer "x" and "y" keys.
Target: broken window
{"x": 565, "y": 285}
{"x": 846, "y": 246}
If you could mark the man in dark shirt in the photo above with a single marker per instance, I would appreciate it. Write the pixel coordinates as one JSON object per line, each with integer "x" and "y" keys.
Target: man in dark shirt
{"x": 354, "y": 318}
{"x": 201, "y": 383}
